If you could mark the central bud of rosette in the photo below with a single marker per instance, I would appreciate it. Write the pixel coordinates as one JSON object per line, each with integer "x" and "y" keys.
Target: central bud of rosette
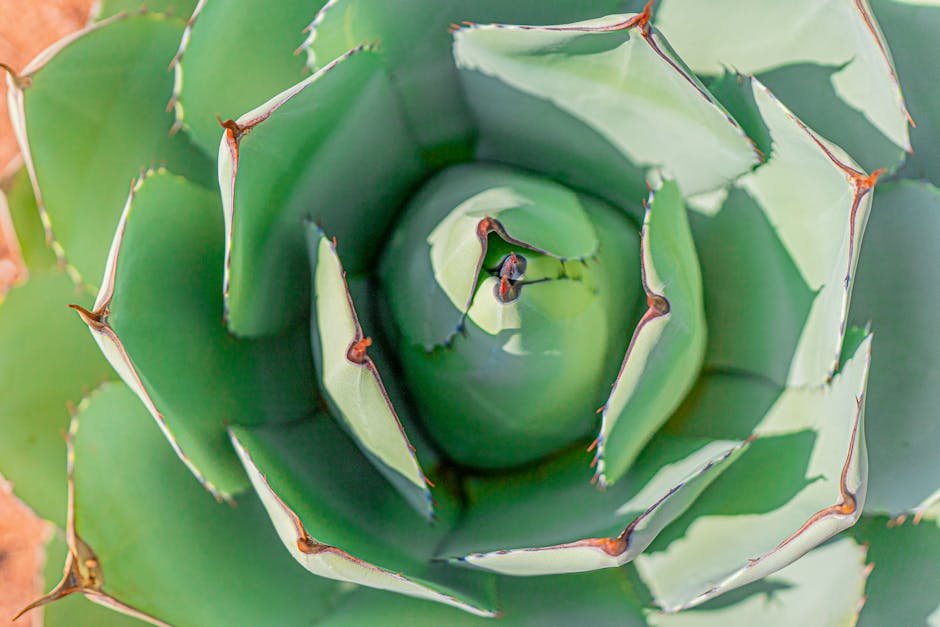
{"x": 512, "y": 298}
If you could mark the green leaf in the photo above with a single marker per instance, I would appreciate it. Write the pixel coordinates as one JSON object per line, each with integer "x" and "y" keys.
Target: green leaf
{"x": 817, "y": 201}
{"x": 551, "y": 519}
{"x": 766, "y": 35}
{"x": 94, "y": 111}
{"x": 903, "y": 588}
{"x": 800, "y": 482}
{"x": 179, "y": 8}
{"x": 615, "y": 76}
{"x": 25, "y": 224}
{"x": 47, "y": 362}
{"x": 665, "y": 353}
{"x": 350, "y": 380}
{"x": 413, "y": 38}
{"x": 756, "y": 300}
{"x": 854, "y": 337}
{"x": 896, "y": 292}
{"x": 339, "y": 519}
{"x": 911, "y": 28}
{"x": 158, "y": 319}
{"x": 824, "y": 587}
{"x": 341, "y": 155}
{"x": 235, "y": 58}
{"x": 723, "y": 404}
{"x": 809, "y": 90}
{"x": 162, "y": 547}
{"x": 733, "y": 91}
{"x": 602, "y": 599}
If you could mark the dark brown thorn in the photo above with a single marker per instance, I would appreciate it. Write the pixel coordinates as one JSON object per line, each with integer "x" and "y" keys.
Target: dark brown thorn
{"x": 657, "y": 304}
{"x": 864, "y": 183}
{"x": 96, "y": 319}
{"x": 643, "y": 19}
{"x": 21, "y": 82}
{"x": 59, "y": 592}
{"x": 74, "y": 578}
{"x": 308, "y": 546}
{"x": 485, "y": 227}
{"x": 232, "y": 128}
{"x": 357, "y": 350}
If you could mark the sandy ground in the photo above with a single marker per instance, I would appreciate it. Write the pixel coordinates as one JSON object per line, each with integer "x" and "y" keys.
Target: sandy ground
{"x": 26, "y": 27}
{"x": 21, "y": 557}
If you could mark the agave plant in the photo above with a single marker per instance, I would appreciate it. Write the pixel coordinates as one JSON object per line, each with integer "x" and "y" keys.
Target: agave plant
{"x": 372, "y": 286}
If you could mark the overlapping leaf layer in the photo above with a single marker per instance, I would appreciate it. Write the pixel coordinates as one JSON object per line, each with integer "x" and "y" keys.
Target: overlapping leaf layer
{"x": 441, "y": 236}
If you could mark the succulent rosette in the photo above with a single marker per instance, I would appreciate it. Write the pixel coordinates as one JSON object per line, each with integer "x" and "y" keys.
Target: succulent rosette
{"x": 358, "y": 276}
